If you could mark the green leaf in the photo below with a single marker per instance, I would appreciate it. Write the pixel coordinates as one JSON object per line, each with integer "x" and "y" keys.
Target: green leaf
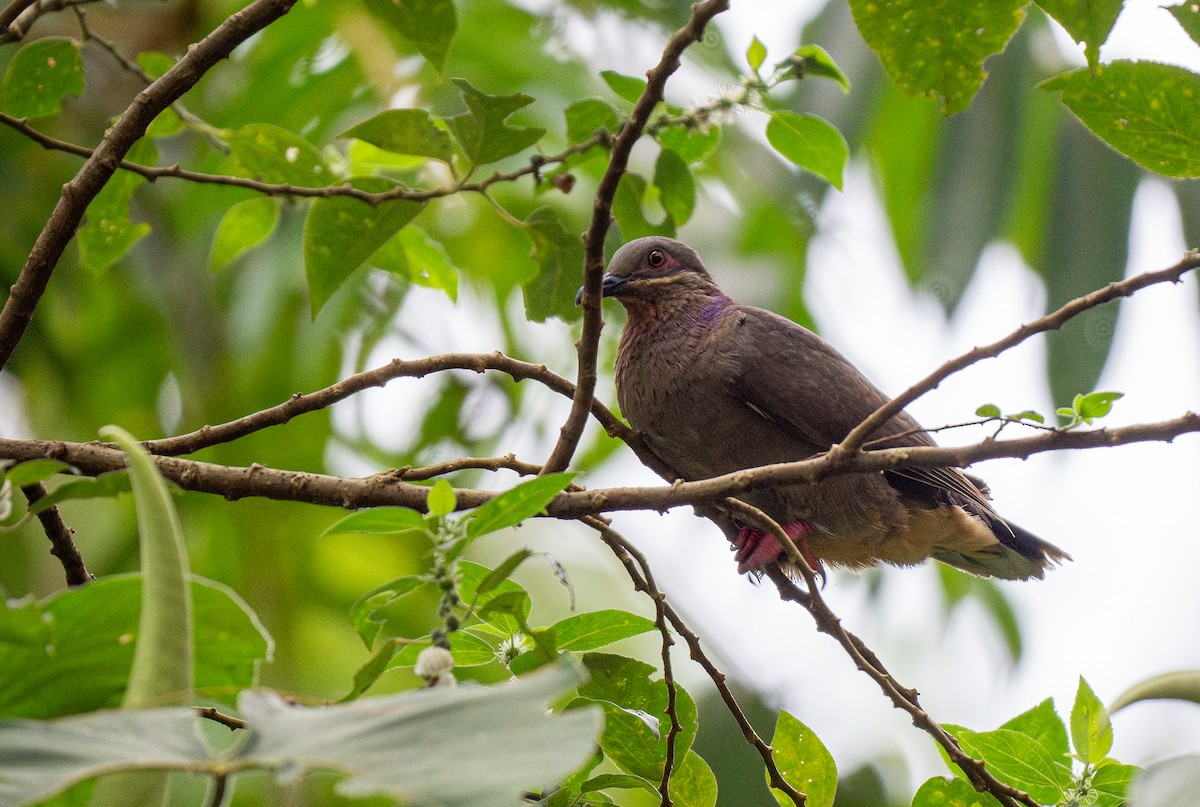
{"x": 816, "y": 61}
{"x": 597, "y": 629}
{"x": 1028, "y": 414}
{"x": 1091, "y": 731}
{"x": 40, "y": 75}
{"x": 441, "y": 499}
{"x": 629, "y": 88}
{"x": 623, "y": 781}
{"x": 1043, "y": 724}
{"x": 1188, "y": 17}
{"x": 988, "y": 411}
{"x": 523, "y": 501}
{"x": 31, "y": 471}
{"x": 428, "y": 264}
{"x": 676, "y": 185}
{"x": 364, "y": 613}
{"x": 756, "y": 54}
{"x": 163, "y": 667}
{"x": 1019, "y": 761}
{"x": 341, "y": 233}
{"x": 690, "y": 143}
{"x": 633, "y": 706}
{"x": 1111, "y": 781}
{"x": 1146, "y": 111}
{"x": 559, "y": 257}
{"x": 507, "y": 609}
{"x": 107, "y": 232}
{"x": 942, "y": 792}
{"x": 587, "y": 116}
{"x": 1183, "y": 685}
{"x": 627, "y": 209}
{"x": 273, "y": 154}
{"x": 85, "y": 487}
{"x": 243, "y": 227}
{"x": 168, "y": 122}
{"x": 378, "y": 521}
{"x": 1096, "y": 404}
{"x": 509, "y": 615}
{"x": 693, "y": 783}
{"x": 428, "y": 24}
{"x": 467, "y": 746}
{"x": 1087, "y": 21}
{"x": 937, "y": 47}
{"x": 379, "y": 662}
{"x": 504, "y": 570}
{"x": 482, "y": 132}
{"x": 803, "y": 761}
{"x": 404, "y": 131}
{"x": 76, "y": 654}
{"x": 811, "y": 143}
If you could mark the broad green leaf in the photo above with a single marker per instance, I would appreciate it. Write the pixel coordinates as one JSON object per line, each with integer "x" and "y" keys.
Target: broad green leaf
{"x": 517, "y": 504}
{"x": 1087, "y": 21}
{"x": 379, "y": 662}
{"x": 441, "y": 499}
{"x": 468, "y": 649}
{"x": 676, "y": 186}
{"x": 816, "y": 61}
{"x": 988, "y": 411}
{"x": 378, "y": 520}
{"x": 505, "y": 609}
{"x": 1188, "y": 16}
{"x": 1043, "y": 724}
{"x": 81, "y": 661}
{"x": 429, "y": 24}
{"x": 243, "y": 227}
{"x": 31, "y": 471}
{"x": 1096, "y": 404}
{"x": 1146, "y": 111}
{"x": 942, "y": 792}
{"x": 1020, "y": 761}
{"x": 597, "y": 629}
{"x": 1091, "y": 731}
{"x": 559, "y": 257}
{"x": 404, "y": 131}
{"x": 621, "y": 781}
{"x": 107, "y": 232}
{"x": 163, "y": 667}
{"x": 628, "y": 211}
{"x": 482, "y": 132}
{"x": 467, "y": 745}
{"x": 1111, "y": 781}
{"x": 803, "y": 761}
{"x": 273, "y": 154}
{"x": 341, "y": 233}
{"x": 693, "y": 783}
{"x": 21, "y": 623}
{"x": 428, "y": 264}
{"x": 155, "y": 63}
{"x": 629, "y": 88}
{"x": 40, "y": 75}
{"x": 634, "y": 707}
{"x": 937, "y": 47}
{"x": 504, "y": 570}
{"x": 756, "y": 54}
{"x": 588, "y": 115}
{"x": 811, "y": 143}
{"x": 85, "y": 487}
{"x": 516, "y": 599}
{"x": 1183, "y": 685}
{"x": 364, "y": 614}
{"x": 690, "y": 143}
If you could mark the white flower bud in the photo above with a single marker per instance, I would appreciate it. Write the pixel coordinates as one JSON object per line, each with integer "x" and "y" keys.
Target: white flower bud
{"x": 434, "y": 664}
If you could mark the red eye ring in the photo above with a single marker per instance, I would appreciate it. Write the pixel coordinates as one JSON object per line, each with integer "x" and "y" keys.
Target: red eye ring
{"x": 656, "y": 260}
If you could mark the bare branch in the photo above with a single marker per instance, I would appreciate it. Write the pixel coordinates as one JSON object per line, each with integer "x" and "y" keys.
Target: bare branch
{"x": 100, "y": 166}
{"x": 229, "y": 722}
{"x": 62, "y": 542}
{"x": 1051, "y": 321}
{"x": 593, "y": 240}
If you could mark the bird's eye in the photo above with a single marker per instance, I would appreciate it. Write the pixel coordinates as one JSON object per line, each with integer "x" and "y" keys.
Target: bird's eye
{"x": 656, "y": 259}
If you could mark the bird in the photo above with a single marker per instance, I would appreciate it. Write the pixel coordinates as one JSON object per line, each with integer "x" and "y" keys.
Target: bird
{"x": 714, "y": 386}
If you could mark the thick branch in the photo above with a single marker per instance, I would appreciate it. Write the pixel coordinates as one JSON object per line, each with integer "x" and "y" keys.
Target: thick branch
{"x": 1052, "y": 321}
{"x": 593, "y": 239}
{"x": 62, "y": 542}
{"x": 96, "y": 171}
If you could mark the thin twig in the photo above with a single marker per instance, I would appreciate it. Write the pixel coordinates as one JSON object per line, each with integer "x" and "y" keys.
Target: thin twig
{"x": 1054, "y": 320}
{"x": 228, "y": 721}
{"x": 62, "y": 542}
{"x": 131, "y": 125}
{"x": 593, "y": 240}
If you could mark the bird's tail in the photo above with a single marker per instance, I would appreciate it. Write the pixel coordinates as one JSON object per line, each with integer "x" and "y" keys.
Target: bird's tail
{"x": 1020, "y": 555}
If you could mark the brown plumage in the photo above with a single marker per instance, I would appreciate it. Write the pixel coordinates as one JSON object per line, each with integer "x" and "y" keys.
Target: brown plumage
{"x": 715, "y": 387}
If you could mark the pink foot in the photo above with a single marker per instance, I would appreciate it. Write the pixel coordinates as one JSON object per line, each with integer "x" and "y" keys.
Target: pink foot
{"x": 756, "y": 549}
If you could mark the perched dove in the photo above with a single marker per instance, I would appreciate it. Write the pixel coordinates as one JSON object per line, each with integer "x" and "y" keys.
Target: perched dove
{"x": 716, "y": 387}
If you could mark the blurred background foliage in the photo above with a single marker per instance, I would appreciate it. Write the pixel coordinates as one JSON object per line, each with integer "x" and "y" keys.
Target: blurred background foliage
{"x": 160, "y": 343}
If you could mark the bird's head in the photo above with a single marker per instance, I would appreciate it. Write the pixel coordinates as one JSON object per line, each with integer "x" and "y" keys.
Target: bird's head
{"x": 652, "y": 269}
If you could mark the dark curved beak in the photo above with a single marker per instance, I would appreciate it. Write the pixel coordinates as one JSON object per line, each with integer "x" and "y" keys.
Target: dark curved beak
{"x": 610, "y": 285}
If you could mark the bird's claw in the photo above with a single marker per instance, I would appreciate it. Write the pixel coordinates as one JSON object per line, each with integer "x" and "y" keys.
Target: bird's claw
{"x": 755, "y": 549}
